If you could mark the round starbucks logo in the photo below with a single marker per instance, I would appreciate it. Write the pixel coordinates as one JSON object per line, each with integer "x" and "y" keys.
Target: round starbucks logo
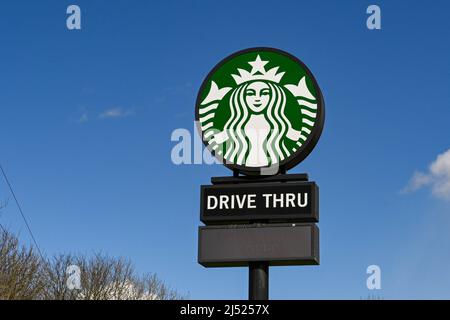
{"x": 260, "y": 109}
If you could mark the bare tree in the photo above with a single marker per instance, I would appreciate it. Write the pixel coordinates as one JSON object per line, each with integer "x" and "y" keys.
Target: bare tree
{"x": 104, "y": 278}
{"x": 157, "y": 288}
{"x": 55, "y": 277}
{"x": 25, "y": 275}
{"x": 20, "y": 270}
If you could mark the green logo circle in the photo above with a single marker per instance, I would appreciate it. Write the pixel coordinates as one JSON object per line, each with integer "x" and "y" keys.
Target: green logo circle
{"x": 260, "y": 109}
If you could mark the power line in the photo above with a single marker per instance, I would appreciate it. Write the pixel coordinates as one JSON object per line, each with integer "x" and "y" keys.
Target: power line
{"x": 2, "y": 205}
{"x": 3, "y": 229}
{"x": 21, "y": 212}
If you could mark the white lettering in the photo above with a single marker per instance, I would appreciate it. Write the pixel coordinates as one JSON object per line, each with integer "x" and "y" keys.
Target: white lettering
{"x": 181, "y": 152}
{"x": 209, "y": 205}
{"x": 223, "y": 200}
{"x": 73, "y": 21}
{"x": 374, "y": 280}
{"x": 251, "y": 201}
{"x": 290, "y": 198}
{"x": 278, "y": 200}
{"x": 241, "y": 202}
{"x": 305, "y": 200}
{"x": 267, "y": 197}
{"x": 374, "y": 20}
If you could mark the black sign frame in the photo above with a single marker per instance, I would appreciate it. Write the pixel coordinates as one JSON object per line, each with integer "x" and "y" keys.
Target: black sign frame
{"x": 240, "y": 245}
{"x": 308, "y": 214}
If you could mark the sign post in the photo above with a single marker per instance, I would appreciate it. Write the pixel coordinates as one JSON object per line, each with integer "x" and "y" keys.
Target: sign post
{"x": 260, "y": 112}
{"x": 258, "y": 283}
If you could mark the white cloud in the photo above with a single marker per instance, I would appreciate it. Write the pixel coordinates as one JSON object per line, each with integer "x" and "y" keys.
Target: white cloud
{"x": 437, "y": 178}
{"x": 83, "y": 118}
{"x": 116, "y": 112}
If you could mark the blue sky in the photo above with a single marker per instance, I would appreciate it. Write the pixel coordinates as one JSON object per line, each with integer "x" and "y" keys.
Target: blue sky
{"x": 86, "y": 118}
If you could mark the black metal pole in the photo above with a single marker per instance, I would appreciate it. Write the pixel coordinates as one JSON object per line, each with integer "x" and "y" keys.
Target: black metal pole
{"x": 258, "y": 281}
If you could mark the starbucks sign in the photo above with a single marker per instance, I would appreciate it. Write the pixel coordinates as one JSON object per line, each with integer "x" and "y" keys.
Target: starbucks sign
{"x": 260, "y": 109}
{"x": 260, "y": 112}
